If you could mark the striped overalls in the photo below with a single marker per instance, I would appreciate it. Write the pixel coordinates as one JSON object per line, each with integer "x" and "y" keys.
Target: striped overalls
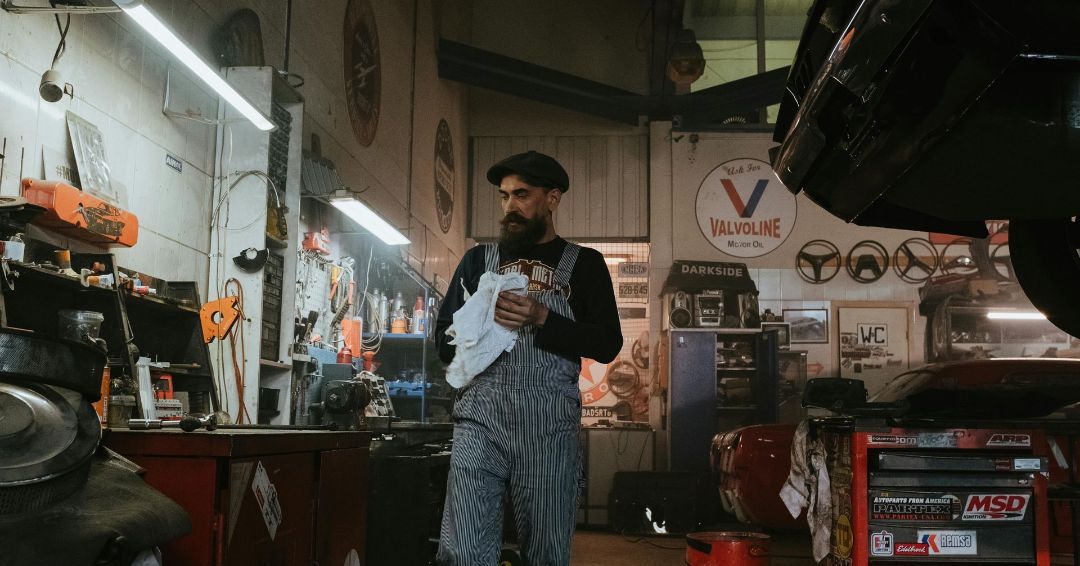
{"x": 517, "y": 425}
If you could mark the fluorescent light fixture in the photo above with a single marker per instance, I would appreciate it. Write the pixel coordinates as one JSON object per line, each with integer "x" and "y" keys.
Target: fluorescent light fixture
{"x": 369, "y": 220}
{"x": 1017, "y": 315}
{"x": 157, "y": 30}
{"x": 614, "y": 260}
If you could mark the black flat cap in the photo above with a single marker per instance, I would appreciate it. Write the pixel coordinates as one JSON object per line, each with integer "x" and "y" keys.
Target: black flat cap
{"x": 534, "y": 165}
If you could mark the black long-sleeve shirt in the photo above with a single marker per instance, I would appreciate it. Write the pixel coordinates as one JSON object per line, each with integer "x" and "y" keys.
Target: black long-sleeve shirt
{"x": 594, "y": 333}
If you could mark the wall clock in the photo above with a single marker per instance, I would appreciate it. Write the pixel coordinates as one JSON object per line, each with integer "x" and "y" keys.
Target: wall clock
{"x": 362, "y": 70}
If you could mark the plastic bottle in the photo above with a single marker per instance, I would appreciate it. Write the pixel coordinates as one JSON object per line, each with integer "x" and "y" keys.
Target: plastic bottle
{"x": 418, "y": 322}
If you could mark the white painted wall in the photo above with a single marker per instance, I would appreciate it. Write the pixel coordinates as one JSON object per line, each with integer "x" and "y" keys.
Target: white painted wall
{"x": 119, "y": 77}
{"x": 119, "y": 80}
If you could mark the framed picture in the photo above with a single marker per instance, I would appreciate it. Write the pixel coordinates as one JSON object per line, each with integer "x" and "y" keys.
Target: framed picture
{"x": 808, "y": 326}
{"x": 782, "y": 330}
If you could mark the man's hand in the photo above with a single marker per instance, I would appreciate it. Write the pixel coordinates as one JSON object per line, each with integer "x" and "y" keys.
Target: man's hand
{"x": 514, "y": 311}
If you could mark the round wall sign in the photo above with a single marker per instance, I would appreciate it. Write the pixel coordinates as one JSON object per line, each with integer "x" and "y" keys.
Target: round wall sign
{"x": 362, "y": 70}
{"x": 743, "y": 210}
{"x": 444, "y": 176}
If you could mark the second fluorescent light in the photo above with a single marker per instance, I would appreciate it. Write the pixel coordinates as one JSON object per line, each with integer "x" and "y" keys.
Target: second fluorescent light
{"x": 1018, "y": 315}
{"x": 163, "y": 35}
{"x": 369, "y": 220}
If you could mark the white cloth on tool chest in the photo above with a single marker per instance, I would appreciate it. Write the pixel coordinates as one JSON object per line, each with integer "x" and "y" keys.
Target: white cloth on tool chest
{"x": 478, "y": 338}
{"x": 808, "y": 487}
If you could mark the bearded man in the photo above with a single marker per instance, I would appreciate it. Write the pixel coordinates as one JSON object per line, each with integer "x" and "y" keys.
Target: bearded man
{"x": 517, "y": 423}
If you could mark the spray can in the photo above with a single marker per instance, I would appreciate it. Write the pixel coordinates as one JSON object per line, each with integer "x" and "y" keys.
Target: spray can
{"x": 384, "y": 313}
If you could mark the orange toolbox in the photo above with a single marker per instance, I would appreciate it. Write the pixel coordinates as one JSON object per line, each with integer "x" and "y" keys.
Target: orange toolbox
{"x": 81, "y": 215}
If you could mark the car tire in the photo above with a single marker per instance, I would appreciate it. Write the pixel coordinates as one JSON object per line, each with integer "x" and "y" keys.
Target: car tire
{"x": 1046, "y": 259}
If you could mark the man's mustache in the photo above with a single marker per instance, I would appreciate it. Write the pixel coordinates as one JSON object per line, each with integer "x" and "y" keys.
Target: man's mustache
{"x": 513, "y": 217}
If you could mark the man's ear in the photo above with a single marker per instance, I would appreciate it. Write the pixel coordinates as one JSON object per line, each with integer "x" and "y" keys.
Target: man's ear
{"x": 554, "y": 197}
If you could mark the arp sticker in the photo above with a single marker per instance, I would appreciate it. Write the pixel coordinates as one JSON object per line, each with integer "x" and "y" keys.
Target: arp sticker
{"x": 950, "y": 543}
{"x": 894, "y": 440}
{"x": 881, "y": 543}
{"x": 1009, "y": 441}
{"x": 996, "y": 507}
{"x": 905, "y": 508}
{"x": 911, "y": 549}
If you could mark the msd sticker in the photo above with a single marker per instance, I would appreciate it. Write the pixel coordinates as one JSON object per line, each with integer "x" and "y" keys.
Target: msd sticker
{"x": 950, "y": 543}
{"x": 997, "y": 507}
{"x": 1009, "y": 441}
{"x": 912, "y": 549}
{"x": 881, "y": 544}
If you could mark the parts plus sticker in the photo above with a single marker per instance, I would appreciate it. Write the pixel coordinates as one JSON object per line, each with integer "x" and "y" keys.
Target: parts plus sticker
{"x": 912, "y": 549}
{"x": 940, "y": 508}
{"x": 997, "y": 507}
{"x": 1009, "y": 441}
{"x": 881, "y": 543}
{"x": 950, "y": 543}
{"x": 894, "y": 439}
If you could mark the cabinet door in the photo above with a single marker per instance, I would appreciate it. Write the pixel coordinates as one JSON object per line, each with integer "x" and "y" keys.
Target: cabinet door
{"x": 270, "y": 513}
{"x": 693, "y": 399}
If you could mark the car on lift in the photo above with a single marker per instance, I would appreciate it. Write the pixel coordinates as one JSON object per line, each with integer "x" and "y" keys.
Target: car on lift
{"x": 752, "y": 463}
{"x": 939, "y": 115}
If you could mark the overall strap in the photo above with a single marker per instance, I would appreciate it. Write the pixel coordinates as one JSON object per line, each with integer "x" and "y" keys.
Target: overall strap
{"x": 566, "y": 265}
{"x": 491, "y": 258}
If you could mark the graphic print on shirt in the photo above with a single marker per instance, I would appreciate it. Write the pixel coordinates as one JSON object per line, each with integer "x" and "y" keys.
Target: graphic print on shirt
{"x": 541, "y": 276}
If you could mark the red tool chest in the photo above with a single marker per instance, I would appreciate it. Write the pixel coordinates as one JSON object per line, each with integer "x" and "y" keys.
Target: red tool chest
{"x": 259, "y": 496}
{"x": 937, "y": 495}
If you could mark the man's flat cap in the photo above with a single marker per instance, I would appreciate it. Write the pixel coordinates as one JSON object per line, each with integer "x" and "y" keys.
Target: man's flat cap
{"x": 534, "y": 165}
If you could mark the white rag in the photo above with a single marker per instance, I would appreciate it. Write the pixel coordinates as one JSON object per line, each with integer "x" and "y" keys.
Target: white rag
{"x": 807, "y": 486}
{"x": 478, "y": 338}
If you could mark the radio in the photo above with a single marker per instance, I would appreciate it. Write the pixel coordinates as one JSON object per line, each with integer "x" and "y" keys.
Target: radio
{"x": 709, "y": 308}
{"x": 679, "y": 315}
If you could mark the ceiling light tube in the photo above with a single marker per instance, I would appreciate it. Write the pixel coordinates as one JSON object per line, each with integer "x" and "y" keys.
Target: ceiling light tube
{"x": 369, "y": 220}
{"x": 163, "y": 35}
{"x": 1017, "y": 315}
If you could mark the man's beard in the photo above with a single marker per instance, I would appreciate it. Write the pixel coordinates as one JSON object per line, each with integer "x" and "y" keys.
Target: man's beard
{"x": 521, "y": 239}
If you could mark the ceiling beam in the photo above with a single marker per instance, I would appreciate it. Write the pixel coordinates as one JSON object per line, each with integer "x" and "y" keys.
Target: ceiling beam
{"x": 500, "y": 73}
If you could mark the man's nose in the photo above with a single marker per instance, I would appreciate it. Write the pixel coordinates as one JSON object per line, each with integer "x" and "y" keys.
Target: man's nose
{"x": 509, "y": 206}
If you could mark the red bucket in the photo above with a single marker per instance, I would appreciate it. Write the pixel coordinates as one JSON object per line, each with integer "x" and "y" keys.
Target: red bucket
{"x": 727, "y": 549}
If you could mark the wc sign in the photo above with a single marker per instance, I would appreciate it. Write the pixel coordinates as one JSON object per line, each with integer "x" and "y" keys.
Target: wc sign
{"x": 873, "y": 335}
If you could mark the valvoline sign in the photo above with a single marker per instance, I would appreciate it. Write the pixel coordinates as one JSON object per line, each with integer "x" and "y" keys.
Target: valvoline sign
{"x": 995, "y": 507}
{"x": 743, "y": 210}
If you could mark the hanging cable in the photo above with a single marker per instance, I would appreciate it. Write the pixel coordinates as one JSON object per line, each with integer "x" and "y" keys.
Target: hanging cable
{"x": 62, "y": 46}
{"x": 239, "y": 371}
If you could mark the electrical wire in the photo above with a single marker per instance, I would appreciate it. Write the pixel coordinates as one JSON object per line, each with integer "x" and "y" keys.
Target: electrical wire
{"x": 61, "y": 47}
{"x": 239, "y": 371}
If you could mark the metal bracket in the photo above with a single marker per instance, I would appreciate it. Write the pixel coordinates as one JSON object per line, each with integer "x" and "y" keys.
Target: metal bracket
{"x": 10, "y": 6}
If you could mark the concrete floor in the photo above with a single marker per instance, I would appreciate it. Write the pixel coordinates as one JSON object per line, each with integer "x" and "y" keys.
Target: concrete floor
{"x": 605, "y": 548}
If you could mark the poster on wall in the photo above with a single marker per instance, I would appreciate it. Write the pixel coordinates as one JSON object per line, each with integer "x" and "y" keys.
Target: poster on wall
{"x": 362, "y": 70}
{"x": 743, "y": 210}
{"x": 444, "y": 176}
{"x": 873, "y": 344}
